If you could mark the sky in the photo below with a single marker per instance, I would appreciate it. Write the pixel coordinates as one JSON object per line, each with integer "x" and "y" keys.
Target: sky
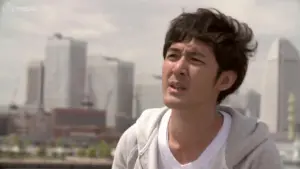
{"x": 132, "y": 30}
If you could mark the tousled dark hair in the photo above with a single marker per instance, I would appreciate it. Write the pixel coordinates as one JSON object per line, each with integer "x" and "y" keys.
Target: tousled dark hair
{"x": 232, "y": 41}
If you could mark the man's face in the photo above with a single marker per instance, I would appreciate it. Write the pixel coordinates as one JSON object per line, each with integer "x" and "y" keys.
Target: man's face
{"x": 189, "y": 75}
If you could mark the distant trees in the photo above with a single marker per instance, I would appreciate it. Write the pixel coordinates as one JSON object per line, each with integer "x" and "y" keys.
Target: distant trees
{"x": 16, "y": 148}
{"x": 100, "y": 150}
{"x": 104, "y": 149}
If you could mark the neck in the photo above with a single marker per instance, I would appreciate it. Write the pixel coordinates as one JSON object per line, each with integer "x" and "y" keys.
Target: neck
{"x": 189, "y": 126}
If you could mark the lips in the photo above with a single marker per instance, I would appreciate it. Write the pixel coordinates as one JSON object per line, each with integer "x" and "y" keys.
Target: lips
{"x": 177, "y": 86}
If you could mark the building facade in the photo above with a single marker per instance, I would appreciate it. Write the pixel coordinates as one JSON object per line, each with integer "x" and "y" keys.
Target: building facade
{"x": 35, "y": 79}
{"x": 77, "y": 123}
{"x": 111, "y": 88}
{"x": 65, "y": 66}
{"x": 253, "y": 102}
{"x": 147, "y": 96}
{"x": 281, "y": 79}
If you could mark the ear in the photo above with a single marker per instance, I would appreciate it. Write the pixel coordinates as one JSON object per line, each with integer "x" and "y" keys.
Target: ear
{"x": 226, "y": 80}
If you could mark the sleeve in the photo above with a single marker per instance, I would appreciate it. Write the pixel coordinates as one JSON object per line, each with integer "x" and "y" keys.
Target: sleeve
{"x": 123, "y": 149}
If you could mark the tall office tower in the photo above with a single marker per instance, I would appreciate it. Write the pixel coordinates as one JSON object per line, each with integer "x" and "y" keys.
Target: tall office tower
{"x": 147, "y": 96}
{"x": 112, "y": 89}
{"x": 253, "y": 102}
{"x": 35, "y": 84}
{"x": 65, "y": 65}
{"x": 125, "y": 88}
{"x": 99, "y": 85}
{"x": 2, "y": 3}
{"x": 281, "y": 79}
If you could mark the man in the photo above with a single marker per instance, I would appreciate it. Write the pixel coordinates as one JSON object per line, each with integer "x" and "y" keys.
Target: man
{"x": 205, "y": 59}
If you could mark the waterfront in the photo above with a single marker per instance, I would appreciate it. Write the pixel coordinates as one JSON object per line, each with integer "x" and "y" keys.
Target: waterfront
{"x": 288, "y": 152}
{"x": 80, "y": 163}
{"x": 74, "y": 163}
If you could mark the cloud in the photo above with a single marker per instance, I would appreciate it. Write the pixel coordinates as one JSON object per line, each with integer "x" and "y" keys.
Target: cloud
{"x": 266, "y": 17}
{"x": 131, "y": 30}
{"x": 62, "y": 16}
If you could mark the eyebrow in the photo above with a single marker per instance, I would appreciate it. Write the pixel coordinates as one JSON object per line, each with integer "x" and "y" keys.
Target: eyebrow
{"x": 193, "y": 52}
{"x": 173, "y": 49}
{"x": 197, "y": 53}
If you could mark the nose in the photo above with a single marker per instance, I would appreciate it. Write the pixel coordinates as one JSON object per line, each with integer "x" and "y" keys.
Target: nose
{"x": 180, "y": 67}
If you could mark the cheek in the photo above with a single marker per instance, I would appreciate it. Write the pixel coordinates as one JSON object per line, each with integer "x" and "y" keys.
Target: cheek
{"x": 166, "y": 69}
{"x": 166, "y": 65}
{"x": 203, "y": 82}
{"x": 165, "y": 73}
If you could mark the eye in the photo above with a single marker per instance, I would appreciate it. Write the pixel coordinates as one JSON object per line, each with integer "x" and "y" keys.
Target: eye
{"x": 196, "y": 60}
{"x": 172, "y": 56}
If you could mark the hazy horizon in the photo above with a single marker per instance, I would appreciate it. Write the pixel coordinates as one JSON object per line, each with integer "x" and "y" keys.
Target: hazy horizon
{"x": 132, "y": 30}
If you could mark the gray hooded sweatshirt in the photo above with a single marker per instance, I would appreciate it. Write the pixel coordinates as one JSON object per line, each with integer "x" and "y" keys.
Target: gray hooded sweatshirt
{"x": 248, "y": 146}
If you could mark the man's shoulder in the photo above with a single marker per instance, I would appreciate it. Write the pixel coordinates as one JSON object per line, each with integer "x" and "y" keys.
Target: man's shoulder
{"x": 137, "y": 135}
{"x": 143, "y": 126}
{"x": 152, "y": 113}
{"x": 249, "y": 142}
{"x": 266, "y": 156}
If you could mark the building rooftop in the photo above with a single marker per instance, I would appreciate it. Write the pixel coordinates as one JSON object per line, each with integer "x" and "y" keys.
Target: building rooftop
{"x": 283, "y": 48}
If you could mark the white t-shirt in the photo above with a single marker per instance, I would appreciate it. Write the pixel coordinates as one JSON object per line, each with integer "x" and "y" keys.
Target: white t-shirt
{"x": 212, "y": 158}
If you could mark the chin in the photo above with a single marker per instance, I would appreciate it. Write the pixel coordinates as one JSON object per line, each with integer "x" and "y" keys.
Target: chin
{"x": 174, "y": 102}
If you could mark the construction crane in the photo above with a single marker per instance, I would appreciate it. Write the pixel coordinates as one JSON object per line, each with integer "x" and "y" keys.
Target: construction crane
{"x": 13, "y": 106}
{"x": 87, "y": 100}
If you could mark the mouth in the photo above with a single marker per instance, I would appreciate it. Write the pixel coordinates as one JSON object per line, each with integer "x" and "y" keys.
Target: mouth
{"x": 176, "y": 86}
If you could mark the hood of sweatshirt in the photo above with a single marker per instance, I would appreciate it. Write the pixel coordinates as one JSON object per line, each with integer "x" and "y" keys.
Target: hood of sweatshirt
{"x": 245, "y": 135}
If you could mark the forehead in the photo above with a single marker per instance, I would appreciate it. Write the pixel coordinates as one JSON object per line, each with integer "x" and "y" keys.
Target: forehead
{"x": 192, "y": 45}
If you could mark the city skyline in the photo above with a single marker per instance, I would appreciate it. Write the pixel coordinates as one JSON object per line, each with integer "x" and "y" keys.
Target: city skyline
{"x": 25, "y": 26}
